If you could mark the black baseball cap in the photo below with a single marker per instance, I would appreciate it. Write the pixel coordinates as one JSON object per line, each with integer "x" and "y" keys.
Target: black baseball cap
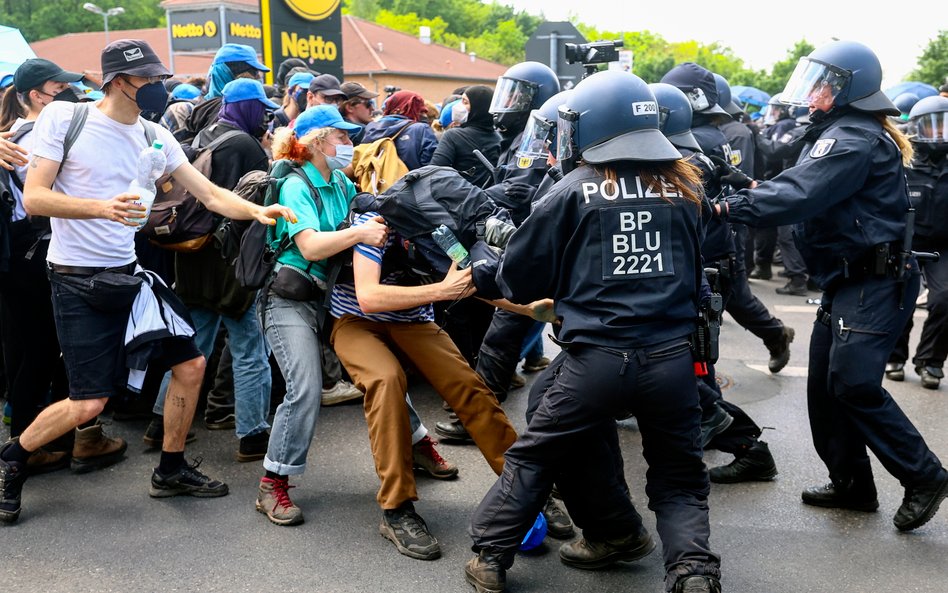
{"x": 34, "y": 72}
{"x": 133, "y": 57}
{"x": 326, "y": 84}
{"x": 354, "y": 89}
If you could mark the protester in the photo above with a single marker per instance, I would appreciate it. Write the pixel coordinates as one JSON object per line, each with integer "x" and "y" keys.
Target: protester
{"x": 415, "y": 141}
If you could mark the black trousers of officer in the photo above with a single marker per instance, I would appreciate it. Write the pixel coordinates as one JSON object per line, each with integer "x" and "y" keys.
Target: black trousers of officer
{"x": 744, "y": 307}
{"x": 760, "y": 246}
{"x": 793, "y": 263}
{"x": 743, "y": 431}
{"x": 933, "y": 344}
{"x": 500, "y": 350}
{"x": 848, "y": 408}
{"x": 573, "y": 428}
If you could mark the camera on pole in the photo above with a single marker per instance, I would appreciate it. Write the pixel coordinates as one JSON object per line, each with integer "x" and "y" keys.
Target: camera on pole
{"x": 591, "y": 54}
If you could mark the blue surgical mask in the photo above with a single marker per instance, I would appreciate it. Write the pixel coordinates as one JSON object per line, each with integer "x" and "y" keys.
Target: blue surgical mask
{"x": 342, "y": 159}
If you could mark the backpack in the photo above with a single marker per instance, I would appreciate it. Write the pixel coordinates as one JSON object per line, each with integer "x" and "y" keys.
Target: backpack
{"x": 178, "y": 221}
{"x": 257, "y": 255}
{"x": 376, "y": 165}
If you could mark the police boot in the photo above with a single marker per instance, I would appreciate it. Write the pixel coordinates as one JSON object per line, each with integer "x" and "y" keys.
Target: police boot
{"x": 716, "y": 422}
{"x": 851, "y": 496}
{"x": 931, "y": 376}
{"x": 593, "y": 555}
{"x": 895, "y": 371}
{"x": 795, "y": 287}
{"x": 921, "y": 503}
{"x": 95, "y": 450}
{"x": 698, "y": 584}
{"x": 761, "y": 272}
{"x": 453, "y": 431}
{"x": 487, "y": 572}
{"x": 756, "y": 464}
{"x": 780, "y": 351}
{"x": 558, "y": 523}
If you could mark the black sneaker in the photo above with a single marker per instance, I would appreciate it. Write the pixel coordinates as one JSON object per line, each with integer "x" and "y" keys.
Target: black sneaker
{"x": 12, "y": 476}
{"x": 187, "y": 480}
{"x": 409, "y": 533}
{"x": 155, "y": 434}
{"x": 253, "y": 447}
{"x": 220, "y": 419}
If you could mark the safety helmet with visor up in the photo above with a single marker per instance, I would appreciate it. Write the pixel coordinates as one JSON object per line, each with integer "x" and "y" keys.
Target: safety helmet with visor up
{"x": 674, "y": 115}
{"x": 611, "y": 116}
{"x": 539, "y": 137}
{"x": 523, "y": 87}
{"x": 930, "y": 116}
{"x": 843, "y": 72}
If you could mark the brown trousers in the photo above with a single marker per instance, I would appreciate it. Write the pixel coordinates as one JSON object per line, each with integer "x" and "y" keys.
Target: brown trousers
{"x": 372, "y": 352}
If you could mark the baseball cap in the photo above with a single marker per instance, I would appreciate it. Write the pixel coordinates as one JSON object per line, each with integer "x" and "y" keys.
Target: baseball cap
{"x": 235, "y": 52}
{"x": 698, "y": 85}
{"x": 186, "y": 92}
{"x": 354, "y": 89}
{"x": 326, "y": 84}
{"x": 35, "y": 71}
{"x": 133, "y": 57}
{"x": 322, "y": 116}
{"x": 300, "y": 79}
{"x": 246, "y": 89}
{"x": 6, "y": 80}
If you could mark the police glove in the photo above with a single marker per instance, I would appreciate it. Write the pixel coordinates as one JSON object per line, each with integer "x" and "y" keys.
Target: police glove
{"x": 730, "y": 174}
{"x": 518, "y": 192}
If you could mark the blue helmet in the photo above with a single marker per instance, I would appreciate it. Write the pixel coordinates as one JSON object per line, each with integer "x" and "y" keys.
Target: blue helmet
{"x": 612, "y": 116}
{"x": 698, "y": 84}
{"x": 539, "y": 136}
{"x": 522, "y": 88}
{"x": 725, "y": 99}
{"x": 905, "y": 102}
{"x": 849, "y": 70}
{"x": 930, "y": 118}
{"x": 674, "y": 115}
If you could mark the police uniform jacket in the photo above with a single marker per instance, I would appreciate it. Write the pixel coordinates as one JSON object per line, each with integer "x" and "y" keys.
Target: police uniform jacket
{"x": 718, "y": 241}
{"x": 848, "y": 188}
{"x": 512, "y": 169}
{"x": 928, "y": 192}
{"x": 620, "y": 261}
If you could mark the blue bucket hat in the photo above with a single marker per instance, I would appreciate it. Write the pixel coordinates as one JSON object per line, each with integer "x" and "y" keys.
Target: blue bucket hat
{"x": 246, "y": 89}
{"x": 235, "y": 52}
{"x": 322, "y": 116}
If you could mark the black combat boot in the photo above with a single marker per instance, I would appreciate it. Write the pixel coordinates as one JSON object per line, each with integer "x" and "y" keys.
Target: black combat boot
{"x": 755, "y": 465}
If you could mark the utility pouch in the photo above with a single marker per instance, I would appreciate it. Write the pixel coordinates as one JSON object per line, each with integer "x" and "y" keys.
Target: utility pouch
{"x": 295, "y": 285}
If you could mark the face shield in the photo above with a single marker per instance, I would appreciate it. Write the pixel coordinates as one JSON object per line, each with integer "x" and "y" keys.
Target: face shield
{"x": 814, "y": 83}
{"x": 565, "y": 133}
{"x": 512, "y": 95}
{"x": 931, "y": 128}
{"x": 537, "y": 136}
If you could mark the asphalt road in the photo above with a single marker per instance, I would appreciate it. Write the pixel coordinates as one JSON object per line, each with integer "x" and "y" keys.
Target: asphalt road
{"x": 100, "y": 532}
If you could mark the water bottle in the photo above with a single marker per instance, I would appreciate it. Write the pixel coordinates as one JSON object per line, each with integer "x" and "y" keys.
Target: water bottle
{"x": 450, "y": 244}
{"x": 151, "y": 165}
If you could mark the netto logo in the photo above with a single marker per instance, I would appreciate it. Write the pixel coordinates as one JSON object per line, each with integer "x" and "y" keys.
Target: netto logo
{"x": 313, "y": 10}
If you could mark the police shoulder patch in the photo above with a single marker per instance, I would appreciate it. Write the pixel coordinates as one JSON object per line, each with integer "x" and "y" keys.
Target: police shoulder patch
{"x": 822, "y": 147}
{"x": 736, "y": 157}
{"x": 524, "y": 162}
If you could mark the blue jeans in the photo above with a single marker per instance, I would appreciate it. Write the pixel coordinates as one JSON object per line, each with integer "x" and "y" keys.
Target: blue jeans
{"x": 251, "y": 364}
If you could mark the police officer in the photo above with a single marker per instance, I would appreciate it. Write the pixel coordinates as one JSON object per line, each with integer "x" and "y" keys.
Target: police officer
{"x": 849, "y": 190}
{"x": 724, "y": 426}
{"x": 719, "y": 248}
{"x": 616, "y": 244}
{"x": 928, "y": 190}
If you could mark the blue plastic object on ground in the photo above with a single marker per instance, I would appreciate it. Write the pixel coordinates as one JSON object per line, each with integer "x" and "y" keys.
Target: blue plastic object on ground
{"x": 536, "y": 534}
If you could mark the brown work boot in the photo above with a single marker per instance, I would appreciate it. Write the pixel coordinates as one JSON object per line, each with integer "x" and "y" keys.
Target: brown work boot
{"x": 43, "y": 461}
{"x": 94, "y": 450}
{"x": 487, "y": 573}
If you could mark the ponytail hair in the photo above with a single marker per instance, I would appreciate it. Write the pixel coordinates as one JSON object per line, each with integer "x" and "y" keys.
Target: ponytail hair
{"x": 900, "y": 139}
{"x": 11, "y": 109}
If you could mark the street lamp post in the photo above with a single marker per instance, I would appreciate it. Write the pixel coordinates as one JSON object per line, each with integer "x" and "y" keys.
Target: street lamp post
{"x": 105, "y": 15}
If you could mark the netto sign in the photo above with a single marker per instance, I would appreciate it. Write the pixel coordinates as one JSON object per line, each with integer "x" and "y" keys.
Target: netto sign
{"x": 307, "y": 29}
{"x": 207, "y": 30}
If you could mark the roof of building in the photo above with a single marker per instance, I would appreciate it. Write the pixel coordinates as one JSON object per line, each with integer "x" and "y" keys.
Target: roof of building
{"x": 366, "y": 47}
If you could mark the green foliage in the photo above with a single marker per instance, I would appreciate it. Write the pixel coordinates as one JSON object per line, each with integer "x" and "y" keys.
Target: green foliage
{"x": 933, "y": 63}
{"x": 41, "y": 19}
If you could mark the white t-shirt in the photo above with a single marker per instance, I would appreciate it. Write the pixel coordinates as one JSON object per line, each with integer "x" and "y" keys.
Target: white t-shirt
{"x": 100, "y": 165}
{"x": 26, "y": 143}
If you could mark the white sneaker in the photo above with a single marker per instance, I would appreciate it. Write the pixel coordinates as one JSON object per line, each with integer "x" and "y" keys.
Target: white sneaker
{"x": 922, "y": 301}
{"x": 342, "y": 391}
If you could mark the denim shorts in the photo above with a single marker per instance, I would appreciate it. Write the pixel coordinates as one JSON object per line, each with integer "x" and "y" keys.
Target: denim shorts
{"x": 93, "y": 344}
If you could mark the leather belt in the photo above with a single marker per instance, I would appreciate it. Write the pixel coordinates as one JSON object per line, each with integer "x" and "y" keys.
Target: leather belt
{"x": 89, "y": 271}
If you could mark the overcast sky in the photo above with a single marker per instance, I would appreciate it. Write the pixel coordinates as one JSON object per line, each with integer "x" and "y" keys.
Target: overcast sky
{"x": 764, "y": 34}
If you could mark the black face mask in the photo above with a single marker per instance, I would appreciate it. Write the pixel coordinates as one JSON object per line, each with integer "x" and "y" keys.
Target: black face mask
{"x": 67, "y": 94}
{"x": 301, "y": 99}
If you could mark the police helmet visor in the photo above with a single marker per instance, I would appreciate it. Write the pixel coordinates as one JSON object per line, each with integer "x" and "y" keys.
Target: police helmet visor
{"x": 931, "y": 128}
{"x": 537, "y": 136}
{"x": 814, "y": 82}
{"x": 512, "y": 96}
{"x": 565, "y": 130}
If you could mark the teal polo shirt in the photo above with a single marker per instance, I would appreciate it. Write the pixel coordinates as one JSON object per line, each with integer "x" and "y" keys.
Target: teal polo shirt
{"x": 294, "y": 193}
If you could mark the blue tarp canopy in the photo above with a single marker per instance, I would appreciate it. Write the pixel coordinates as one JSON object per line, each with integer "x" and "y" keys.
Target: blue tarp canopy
{"x": 750, "y": 95}
{"x": 14, "y": 50}
{"x": 919, "y": 89}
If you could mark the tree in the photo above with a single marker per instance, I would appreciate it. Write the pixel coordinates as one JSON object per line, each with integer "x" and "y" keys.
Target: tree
{"x": 41, "y": 19}
{"x": 933, "y": 63}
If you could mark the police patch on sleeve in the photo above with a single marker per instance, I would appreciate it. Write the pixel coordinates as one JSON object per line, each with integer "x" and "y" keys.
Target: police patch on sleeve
{"x": 524, "y": 162}
{"x": 822, "y": 147}
{"x": 636, "y": 242}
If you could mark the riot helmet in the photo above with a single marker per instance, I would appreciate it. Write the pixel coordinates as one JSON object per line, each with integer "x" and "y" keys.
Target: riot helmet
{"x": 904, "y": 104}
{"x": 522, "y": 88}
{"x": 611, "y": 116}
{"x": 674, "y": 115}
{"x": 839, "y": 73}
{"x": 775, "y": 110}
{"x": 699, "y": 86}
{"x": 539, "y": 136}
{"x": 930, "y": 116}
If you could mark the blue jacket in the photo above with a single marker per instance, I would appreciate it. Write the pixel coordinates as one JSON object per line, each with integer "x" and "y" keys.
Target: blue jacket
{"x": 416, "y": 141}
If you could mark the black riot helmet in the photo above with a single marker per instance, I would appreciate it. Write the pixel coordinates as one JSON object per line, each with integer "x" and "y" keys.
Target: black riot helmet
{"x": 674, "y": 115}
{"x": 930, "y": 118}
{"x": 698, "y": 85}
{"x": 522, "y": 88}
{"x": 539, "y": 135}
{"x": 848, "y": 70}
{"x": 611, "y": 116}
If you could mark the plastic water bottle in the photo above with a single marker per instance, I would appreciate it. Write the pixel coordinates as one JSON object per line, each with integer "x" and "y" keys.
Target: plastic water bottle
{"x": 450, "y": 244}
{"x": 151, "y": 165}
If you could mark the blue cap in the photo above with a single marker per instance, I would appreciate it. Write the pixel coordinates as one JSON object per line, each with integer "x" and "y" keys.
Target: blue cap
{"x": 300, "y": 79}
{"x": 447, "y": 113}
{"x": 185, "y": 91}
{"x": 6, "y": 81}
{"x": 246, "y": 89}
{"x": 322, "y": 116}
{"x": 235, "y": 52}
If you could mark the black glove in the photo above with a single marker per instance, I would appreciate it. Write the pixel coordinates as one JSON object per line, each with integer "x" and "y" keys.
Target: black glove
{"x": 518, "y": 192}
{"x": 729, "y": 174}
